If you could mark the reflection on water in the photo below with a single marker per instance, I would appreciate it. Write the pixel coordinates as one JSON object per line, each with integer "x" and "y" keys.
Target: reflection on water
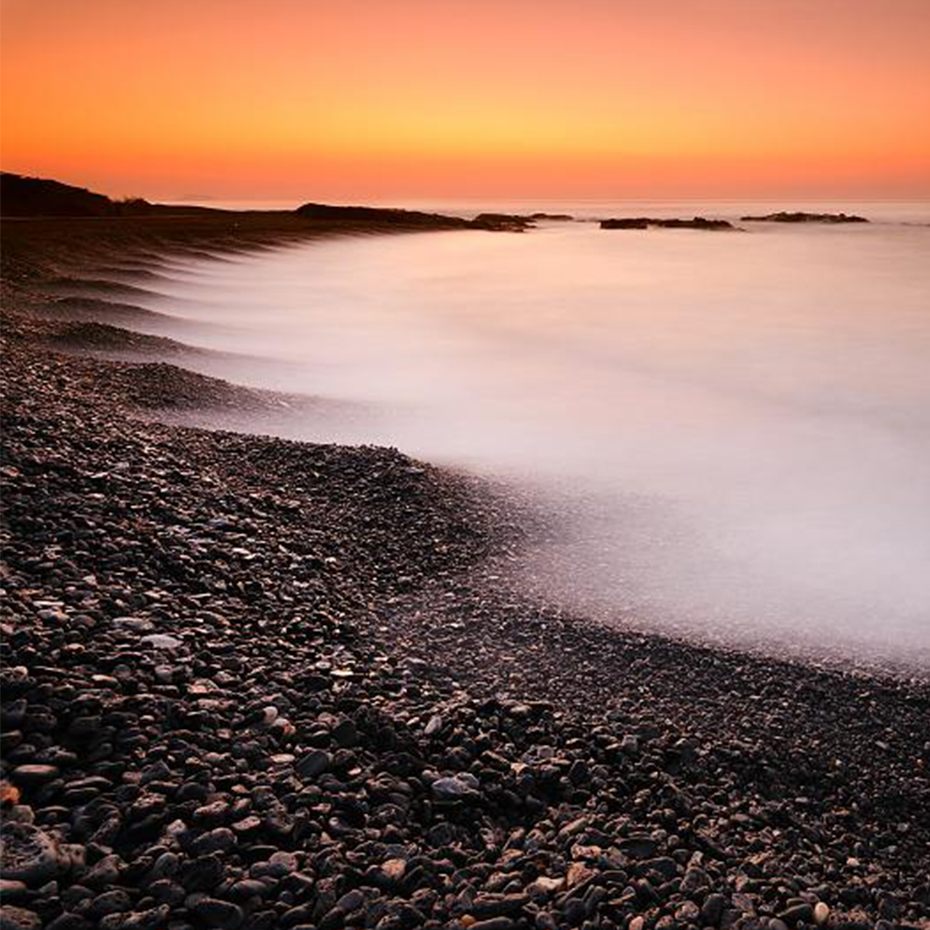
{"x": 735, "y": 426}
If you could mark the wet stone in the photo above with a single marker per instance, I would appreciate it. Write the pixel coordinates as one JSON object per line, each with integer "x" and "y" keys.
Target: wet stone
{"x": 104, "y": 873}
{"x": 149, "y": 919}
{"x": 162, "y": 641}
{"x": 638, "y": 847}
{"x": 110, "y": 902}
{"x": 28, "y": 854}
{"x": 69, "y": 921}
{"x": 34, "y": 774}
{"x": 798, "y": 913}
{"x": 248, "y": 888}
{"x": 712, "y": 909}
{"x": 216, "y": 913}
{"x": 11, "y": 890}
{"x": 134, "y": 624}
{"x": 19, "y": 918}
{"x": 314, "y": 763}
{"x": 221, "y": 839}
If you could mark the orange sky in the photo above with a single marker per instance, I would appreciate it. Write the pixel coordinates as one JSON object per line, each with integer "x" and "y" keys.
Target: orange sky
{"x": 381, "y": 99}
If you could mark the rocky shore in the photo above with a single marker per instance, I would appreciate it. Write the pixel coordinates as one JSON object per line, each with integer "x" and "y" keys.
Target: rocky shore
{"x": 644, "y": 222}
{"x": 253, "y": 683}
{"x": 800, "y": 216}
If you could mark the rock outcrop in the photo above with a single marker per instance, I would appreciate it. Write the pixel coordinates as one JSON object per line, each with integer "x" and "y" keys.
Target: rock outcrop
{"x": 644, "y": 222}
{"x": 502, "y": 222}
{"x": 380, "y": 215}
{"x": 802, "y": 217}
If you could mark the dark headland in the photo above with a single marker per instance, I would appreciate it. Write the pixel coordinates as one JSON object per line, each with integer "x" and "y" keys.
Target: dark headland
{"x": 253, "y": 683}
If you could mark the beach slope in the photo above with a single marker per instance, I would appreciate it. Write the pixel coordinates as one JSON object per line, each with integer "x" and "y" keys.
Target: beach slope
{"x": 256, "y": 683}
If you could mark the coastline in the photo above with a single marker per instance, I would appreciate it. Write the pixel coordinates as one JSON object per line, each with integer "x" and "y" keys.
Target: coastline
{"x": 352, "y": 726}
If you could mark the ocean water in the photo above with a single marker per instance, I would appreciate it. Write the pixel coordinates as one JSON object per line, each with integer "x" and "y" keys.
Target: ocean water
{"x": 731, "y": 430}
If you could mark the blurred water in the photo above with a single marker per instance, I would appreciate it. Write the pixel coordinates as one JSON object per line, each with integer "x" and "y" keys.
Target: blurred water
{"x": 733, "y": 427}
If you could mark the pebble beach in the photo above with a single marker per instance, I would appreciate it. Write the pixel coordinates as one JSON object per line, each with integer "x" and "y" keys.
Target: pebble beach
{"x": 256, "y": 683}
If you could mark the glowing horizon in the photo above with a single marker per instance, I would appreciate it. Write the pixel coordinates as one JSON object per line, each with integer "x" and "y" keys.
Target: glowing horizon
{"x": 361, "y": 99}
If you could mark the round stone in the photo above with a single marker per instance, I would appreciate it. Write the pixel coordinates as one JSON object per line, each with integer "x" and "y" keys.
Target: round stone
{"x": 34, "y": 774}
{"x": 27, "y": 854}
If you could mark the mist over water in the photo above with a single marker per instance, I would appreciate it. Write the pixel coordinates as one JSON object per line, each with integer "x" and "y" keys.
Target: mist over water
{"x": 732, "y": 429}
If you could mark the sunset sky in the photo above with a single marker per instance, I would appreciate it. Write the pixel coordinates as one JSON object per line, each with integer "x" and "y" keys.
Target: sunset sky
{"x": 382, "y": 99}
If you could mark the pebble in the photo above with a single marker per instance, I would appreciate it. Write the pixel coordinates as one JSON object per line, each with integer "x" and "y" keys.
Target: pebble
{"x": 18, "y": 918}
{"x": 453, "y": 788}
{"x": 314, "y": 763}
{"x": 162, "y": 641}
{"x": 28, "y": 854}
{"x": 394, "y": 869}
{"x": 216, "y": 913}
{"x": 134, "y": 624}
{"x": 34, "y": 774}
{"x": 11, "y": 890}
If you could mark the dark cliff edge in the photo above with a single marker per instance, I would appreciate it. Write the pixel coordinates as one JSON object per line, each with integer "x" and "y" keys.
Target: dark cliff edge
{"x": 22, "y": 196}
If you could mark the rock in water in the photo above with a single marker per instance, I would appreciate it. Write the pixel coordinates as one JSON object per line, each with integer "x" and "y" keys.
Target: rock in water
{"x": 800, "y": 216}
{"x": 644, "y": 222}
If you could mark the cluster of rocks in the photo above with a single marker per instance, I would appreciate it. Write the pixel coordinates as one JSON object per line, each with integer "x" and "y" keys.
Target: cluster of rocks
{"x": 492, "y": 222}
{"x": 517, "y": 222}
{"x": 388, "y": 216}
{"x": 644, "y": 222}
{"x": 504, "y": 222}
{"x": 800, "y": 216}
{"x": 254, "y": 683}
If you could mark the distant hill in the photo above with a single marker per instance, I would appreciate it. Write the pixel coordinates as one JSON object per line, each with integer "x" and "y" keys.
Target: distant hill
{"x": 22, "y": 196}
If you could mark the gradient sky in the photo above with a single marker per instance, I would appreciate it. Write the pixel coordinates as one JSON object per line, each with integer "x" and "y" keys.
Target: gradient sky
{"x": 381, "y": 99}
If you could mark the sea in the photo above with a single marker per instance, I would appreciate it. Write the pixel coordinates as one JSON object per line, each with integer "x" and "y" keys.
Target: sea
{"x": 730, "y": 430}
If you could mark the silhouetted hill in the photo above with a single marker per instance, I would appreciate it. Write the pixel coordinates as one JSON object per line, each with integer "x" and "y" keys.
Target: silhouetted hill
{"x": 20, "y": 196}
{"x": 23, "y": 196}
